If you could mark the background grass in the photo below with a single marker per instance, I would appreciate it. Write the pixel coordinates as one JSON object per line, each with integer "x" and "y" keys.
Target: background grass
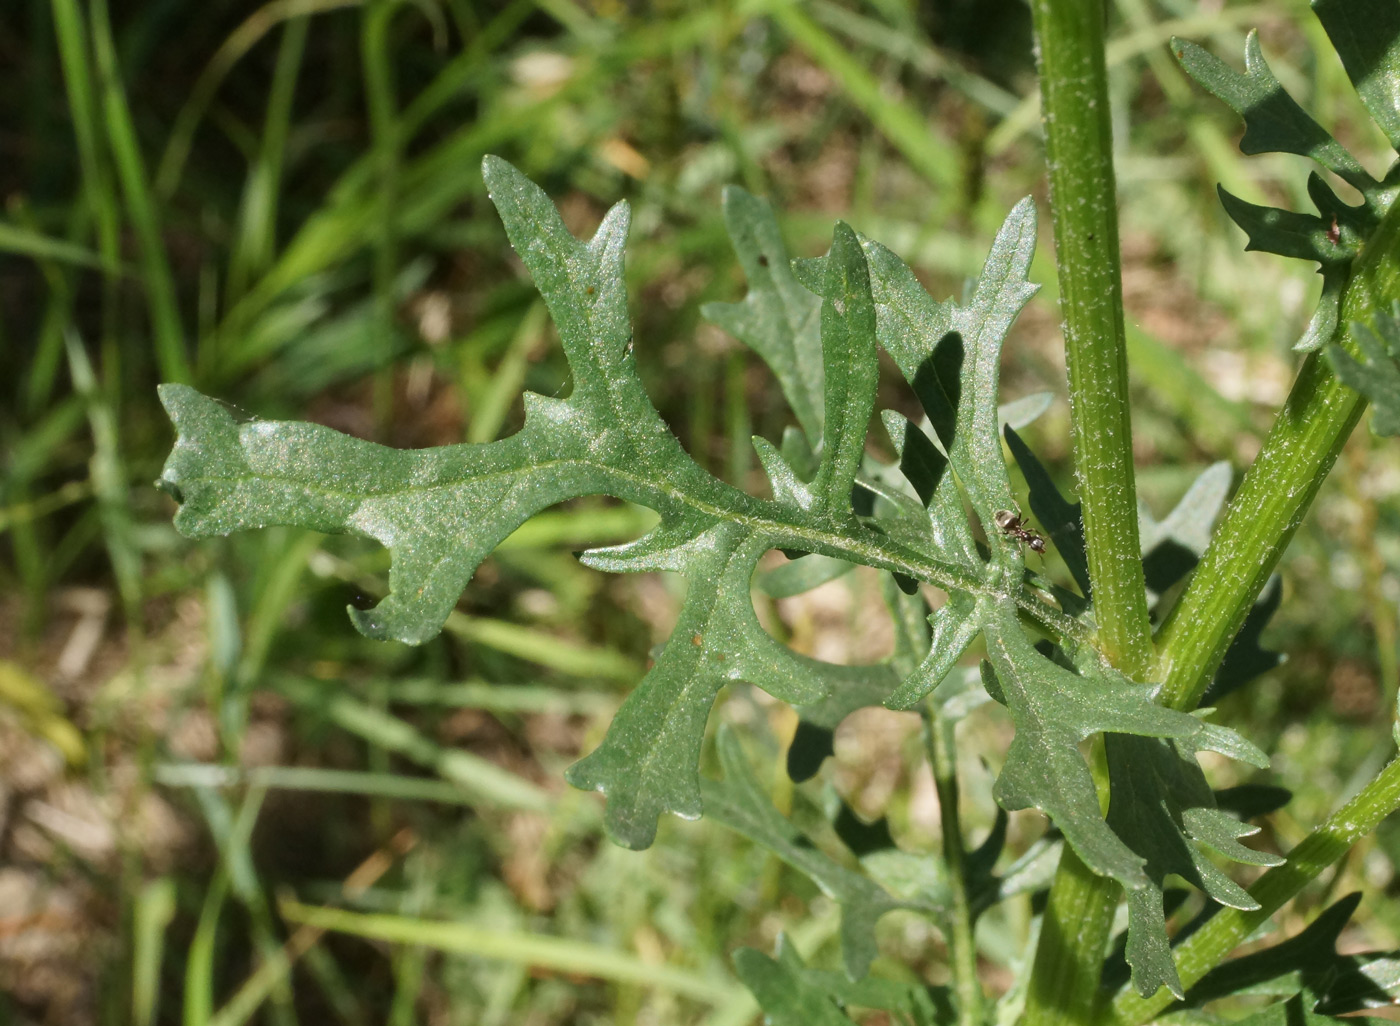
{"x": 219, "y": 803}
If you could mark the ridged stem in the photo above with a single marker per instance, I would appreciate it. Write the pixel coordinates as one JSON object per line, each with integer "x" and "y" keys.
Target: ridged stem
{"x": 1300, "y": 449}
{"x": 1079, "y": 156}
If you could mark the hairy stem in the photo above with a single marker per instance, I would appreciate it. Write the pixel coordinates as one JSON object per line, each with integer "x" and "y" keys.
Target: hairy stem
{"x": 1208, "y": 946}
{"x": 938, "y": 735}
{"x": 1276, "y": 492}
{"x": 1079, "y": 155}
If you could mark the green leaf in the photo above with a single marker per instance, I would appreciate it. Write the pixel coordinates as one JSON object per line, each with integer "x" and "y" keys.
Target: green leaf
{"x": 1366, "y": 34}
{"x": 1303, "y": 236}
{"x": 1173, "y": 546}
{"x": 1246, "y": 658}
{"x": 791, "y": 994}
{"x": 778, "y": 319}
{"x": 801, "y": 575}
{"x": 1273, "y": 121}
{"x": 1296, "y": 1011}
{"x": 1054, "y": 710}
{"x": 441, "y": 511}
{"x": 950, "y": 354}
{"x": 1378, "y": 377}
{"x": 1365, "y": 37}
{"x": 1308, "y": 965}
{"x": 740, "y": 804}
{"x": 1161, "y": 804}
{"x": 785, "y": 997}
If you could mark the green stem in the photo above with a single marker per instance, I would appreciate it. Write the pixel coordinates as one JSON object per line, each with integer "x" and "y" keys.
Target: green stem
{"x": 1276, "y": 492}
{"x": 1207, "y": 947}
{"x": 1079, "y": 157}
{"x": 142, "y": 211}
{"x": 1074, "y": 930}
{"x": 384, "y": 132}
{"x": 938, "y": 735}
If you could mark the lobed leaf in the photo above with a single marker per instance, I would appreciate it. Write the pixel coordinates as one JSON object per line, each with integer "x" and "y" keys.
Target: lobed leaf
{"x": 1160, "y": 803}
{"x": 1275, "y": 123}
{"x": 739, "y": 803}
{"x": 791, "y": 994}
{"x": 441, "y": 511}
{"x": 778, "y": 319}
{"x": 1308, "y": 965}
{"x": 950, "y": 355}
{"x": 785, "y": 997}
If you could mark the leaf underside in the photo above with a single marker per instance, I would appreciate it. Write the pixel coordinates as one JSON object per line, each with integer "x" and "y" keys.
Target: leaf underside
{"x": 819, "y": 324}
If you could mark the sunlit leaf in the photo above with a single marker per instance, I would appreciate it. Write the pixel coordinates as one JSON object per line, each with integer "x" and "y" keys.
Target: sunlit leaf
{"x": 1366, "y": 35}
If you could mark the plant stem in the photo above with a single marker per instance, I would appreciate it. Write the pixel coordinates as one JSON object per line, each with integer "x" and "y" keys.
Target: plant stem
{"x": 384, "y": 131}
{"x": 1079, "y": 156}
{"x": 1209, "y": 945}
{"x": 1074, "y": 929}
{"x": 938, "y": 736}
{"x": 1276, "y": 492}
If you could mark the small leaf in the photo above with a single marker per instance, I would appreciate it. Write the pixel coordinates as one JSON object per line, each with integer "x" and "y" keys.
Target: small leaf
{"x": 1307, "y": 965}
{"x": 1030, "y": 873}
{"x": 854, "y": 687}
{"x": 1296, "y": 1011}
{"x": 791, "y": 994}
{"x": 1273, "y": 121}
{"x": 785, "y": 997}
{"x": 1366, "y": 34}
{"x": 1021, "y": 413}
{"x": 1054, "y": 710}
{"x": 1162, "y": 806}
{"x": 1377, "y": 374}
{"x": 802, "y": 575}
{"x": 1171, "y": 548}
{"x": 955, "y": 625}
{"x": 850, "y": 369}
{"x": 779, "y": 319}
{"x": 1367, "y": 37}
{"x": 740, "y": 804}
{"x": 1272, "y": 230}
{"x": 1246, "y": 658}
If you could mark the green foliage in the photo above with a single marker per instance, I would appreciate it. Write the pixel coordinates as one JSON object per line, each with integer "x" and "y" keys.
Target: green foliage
{"x": 740, "y": 804}
{"x": 1308, "y": 964}
{"x": 441, "y": 511}
{"x": 793, "y": 995}
{"x": 1377, "y": 374}
{"x": 1364, "y": 34}
{"x": 270, "y": 258}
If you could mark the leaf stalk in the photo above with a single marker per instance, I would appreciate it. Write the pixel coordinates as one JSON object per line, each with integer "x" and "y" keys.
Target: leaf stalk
{"x": 938, "y": 737}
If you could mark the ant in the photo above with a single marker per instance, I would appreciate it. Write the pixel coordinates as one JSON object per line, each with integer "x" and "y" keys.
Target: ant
{"x": 1013, "y": 526}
